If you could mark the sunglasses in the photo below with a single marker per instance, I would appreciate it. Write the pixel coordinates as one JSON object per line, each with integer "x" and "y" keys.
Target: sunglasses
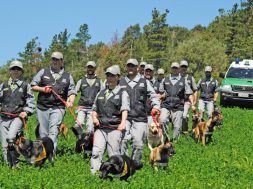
{"x": 174, "y": 68}
{"x": 131, "y": 65}
{"x": 16, "y": 68}
{"x": 56, "y": 59}
{"x": 183, "y": 66}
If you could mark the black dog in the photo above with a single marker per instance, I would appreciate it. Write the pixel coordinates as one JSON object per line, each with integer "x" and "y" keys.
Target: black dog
{"x": 42, "y": 150}
{"x": 24, "y": 147}
{"x": 118, "y": 165}
{"x": 84, "y": 142}
{"x": 36, "y": 152}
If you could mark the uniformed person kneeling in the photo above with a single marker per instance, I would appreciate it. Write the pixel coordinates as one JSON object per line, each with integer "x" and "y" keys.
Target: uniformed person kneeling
{"x": 109, "y": 116}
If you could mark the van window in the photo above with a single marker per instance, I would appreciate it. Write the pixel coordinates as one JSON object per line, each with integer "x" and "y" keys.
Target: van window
{"x": 243, "y": 73}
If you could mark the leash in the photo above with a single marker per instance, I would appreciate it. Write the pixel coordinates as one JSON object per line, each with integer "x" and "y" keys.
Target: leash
{"x": 8, "y": 114}
{"x": 70, "y": 109}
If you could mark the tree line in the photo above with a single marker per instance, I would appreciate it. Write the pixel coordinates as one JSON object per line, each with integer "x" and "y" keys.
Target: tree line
{"x": 227, "y": 37}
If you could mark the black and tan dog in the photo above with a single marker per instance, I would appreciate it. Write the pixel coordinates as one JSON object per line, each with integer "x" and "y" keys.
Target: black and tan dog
{"x": 84, "y": 142}
{"x": 118, "y": 165}
{"x": 36, "y": 152}
{"x": 159, "y": 156}
{"x": 204, "y": 129}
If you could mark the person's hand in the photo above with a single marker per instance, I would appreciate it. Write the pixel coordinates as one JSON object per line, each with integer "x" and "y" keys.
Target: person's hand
{"x": 155, "y": 111}
{"x": 23, "y": 115}
{"x": 69, "y": 104}
{"x": 95, "y": 122}
{"x": 122, "y": 126}
{"x": 193, "y": 108}
{"x": 47, "y": 89}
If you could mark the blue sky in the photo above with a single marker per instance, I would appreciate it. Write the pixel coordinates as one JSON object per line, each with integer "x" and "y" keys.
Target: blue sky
{"x": 23, "y": 20}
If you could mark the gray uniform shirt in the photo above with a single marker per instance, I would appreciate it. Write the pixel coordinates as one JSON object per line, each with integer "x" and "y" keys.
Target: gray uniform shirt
{"x": 37, "y": 79}
{"x": 90, "y": 81}
{"x": 207, "y": 83}
{"x": 173, "y": 80}
{"x": 125, "y": 103}
{"x": 155, "y": 103}
{"x": 30, "y": 100}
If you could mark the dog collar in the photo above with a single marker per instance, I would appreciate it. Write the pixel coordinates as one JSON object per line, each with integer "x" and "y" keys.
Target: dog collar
{"x": 42, "y": 155}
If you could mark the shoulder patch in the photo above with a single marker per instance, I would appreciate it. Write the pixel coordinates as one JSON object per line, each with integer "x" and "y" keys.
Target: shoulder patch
{"x": 141, "y": 85}
{"x": 46, "y": 77}
{"x": 116, "y": 97}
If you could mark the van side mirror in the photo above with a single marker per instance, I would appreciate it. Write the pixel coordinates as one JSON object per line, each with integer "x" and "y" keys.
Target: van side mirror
{"x": 222, "y": 75}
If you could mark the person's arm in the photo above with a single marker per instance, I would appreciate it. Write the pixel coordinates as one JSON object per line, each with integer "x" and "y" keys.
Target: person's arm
{"x": 78, "y": 85}
{"x": 155, "y": 101}
{"x": 189, "y": 92}
{"x": 1, "y": 93}
{"x": 125, "y": 108}
{"x": 30, "y": 103}
{"x": 71, "y": 93}
{"x": 216, "y": 93}
{"x": 94, "y": 114}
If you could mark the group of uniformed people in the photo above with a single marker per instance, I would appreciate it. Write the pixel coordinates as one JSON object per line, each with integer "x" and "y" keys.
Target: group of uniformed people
{"x": 117, "y": 111}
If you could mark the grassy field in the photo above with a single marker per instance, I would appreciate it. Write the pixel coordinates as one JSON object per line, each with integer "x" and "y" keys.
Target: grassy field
{"x": 225, "y": 163}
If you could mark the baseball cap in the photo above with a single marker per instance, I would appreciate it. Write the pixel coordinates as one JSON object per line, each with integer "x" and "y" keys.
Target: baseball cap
{"x": 117, "y": 67}
{"x": 160, "y": 71}
{"x": 132, "y": 61}
{"x": 57, "y": 55}
{"x": 113, "y": 70}
{"x": 149, "y": 66}
{"x": 174, "y": 64}
{"x": 184, "y": 63}
{"x": 208, "y": 69}
{"x": 91, "y": 63}
{"x": 16, "y": 63}
{"x": 143, "y": 63}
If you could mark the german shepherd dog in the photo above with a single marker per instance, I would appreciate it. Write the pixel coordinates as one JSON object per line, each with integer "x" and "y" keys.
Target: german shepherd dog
{"x": 118, "y": 165}
{"x": 204, "y": 129}
{"x": 159, "y": 156}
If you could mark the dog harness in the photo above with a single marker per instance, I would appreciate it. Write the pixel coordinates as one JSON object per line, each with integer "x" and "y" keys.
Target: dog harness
{"x": 124, "y": 172}
{"x": 42, "y": 155}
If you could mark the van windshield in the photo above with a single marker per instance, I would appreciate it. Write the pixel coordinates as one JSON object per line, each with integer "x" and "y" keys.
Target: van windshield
{"x": 244, "y": 73}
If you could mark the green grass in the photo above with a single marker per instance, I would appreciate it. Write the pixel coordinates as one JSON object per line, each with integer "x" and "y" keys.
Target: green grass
{"x": 225, "y": 163}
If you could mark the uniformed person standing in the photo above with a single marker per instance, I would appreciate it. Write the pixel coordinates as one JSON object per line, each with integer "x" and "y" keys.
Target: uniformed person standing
{"x": 109, "y": 115}
{"x": 149, "y": 73}
{"x": 141, "y": 68}
{"x": 89, "y": 86}
{"x": 17, "y": 102}
{"x": 208, "y": 87}
{"x": 138, "y": 89}
{"x": 158, "y": 81}
{"x": 191, "y": 81}
{"x": 50, "y": 109}
{"x": 174, "y": 87}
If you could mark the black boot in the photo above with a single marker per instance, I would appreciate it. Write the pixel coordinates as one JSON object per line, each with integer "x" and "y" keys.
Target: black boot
{"x": 12, "y": 157}
{"x": 184, "y": 125}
